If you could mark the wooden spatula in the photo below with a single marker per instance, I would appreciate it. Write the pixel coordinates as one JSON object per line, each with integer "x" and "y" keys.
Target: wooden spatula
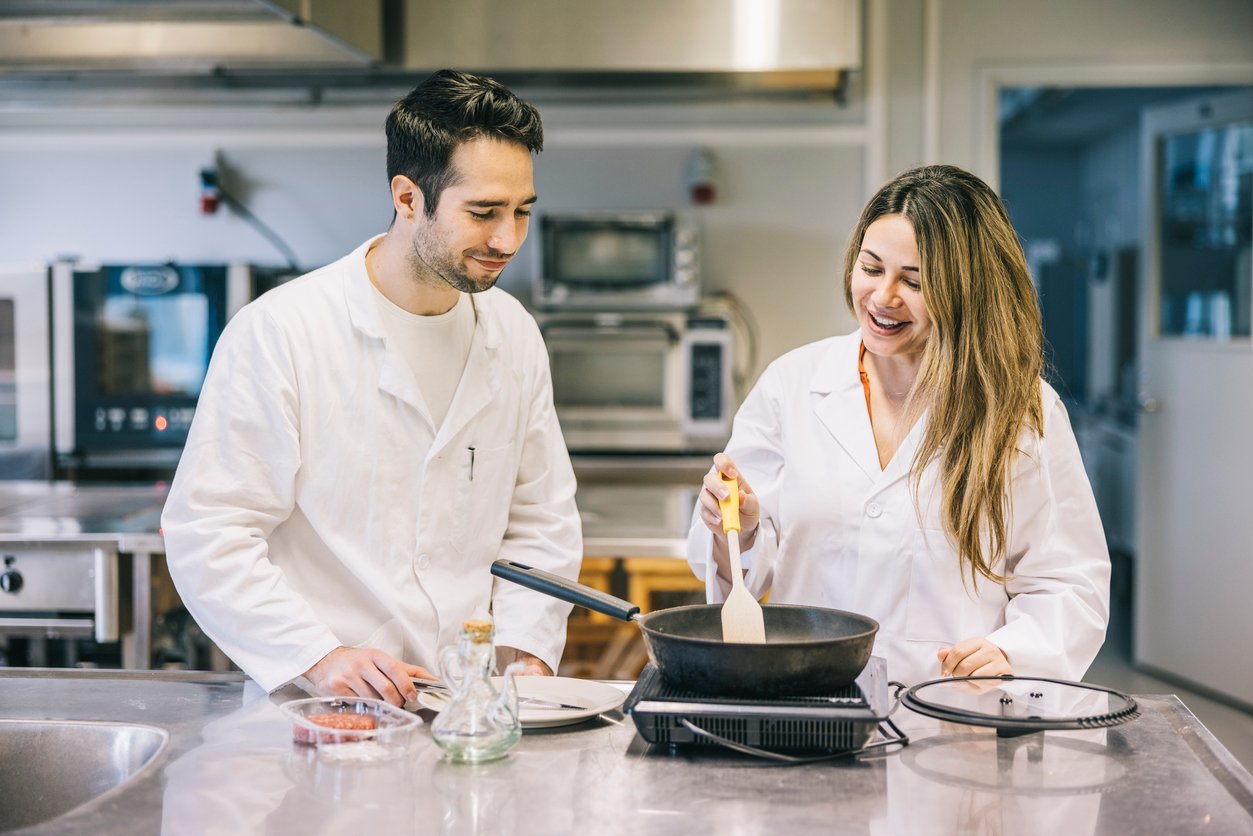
{"x": 742, "y": 620}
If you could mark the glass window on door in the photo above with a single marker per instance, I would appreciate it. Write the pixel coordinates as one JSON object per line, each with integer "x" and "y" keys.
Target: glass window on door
{"x": 1206, "y": 223}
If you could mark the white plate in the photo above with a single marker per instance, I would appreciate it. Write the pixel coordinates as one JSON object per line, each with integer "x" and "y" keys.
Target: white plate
{"x": 592, "y": 698}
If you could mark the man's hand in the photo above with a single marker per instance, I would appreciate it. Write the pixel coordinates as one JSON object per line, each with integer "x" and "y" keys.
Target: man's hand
{"x": 973, "y": 657}
{"x": 365, "y": 672}
{"x": 534, "y": 665}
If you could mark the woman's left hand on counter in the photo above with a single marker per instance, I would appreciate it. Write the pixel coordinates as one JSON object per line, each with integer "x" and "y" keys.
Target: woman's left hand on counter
{"x": 973, "y": 657}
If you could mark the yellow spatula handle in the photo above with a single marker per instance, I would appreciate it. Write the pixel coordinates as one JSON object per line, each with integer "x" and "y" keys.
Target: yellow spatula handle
{"x": 731, "y": 505}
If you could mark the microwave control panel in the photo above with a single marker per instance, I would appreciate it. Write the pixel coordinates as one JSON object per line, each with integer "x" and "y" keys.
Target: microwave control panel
{"x": 708, "y": 378}
{"x": 706, "y": 391}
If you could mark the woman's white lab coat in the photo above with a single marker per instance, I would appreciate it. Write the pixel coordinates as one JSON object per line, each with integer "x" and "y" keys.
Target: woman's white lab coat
{"x": 315, "y": 504}
{"x": 838, "y": 531}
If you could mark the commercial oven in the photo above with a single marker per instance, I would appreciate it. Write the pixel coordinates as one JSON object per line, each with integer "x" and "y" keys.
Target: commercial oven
{"x": 131, "y": 346}
{"x": 25, "y": 373}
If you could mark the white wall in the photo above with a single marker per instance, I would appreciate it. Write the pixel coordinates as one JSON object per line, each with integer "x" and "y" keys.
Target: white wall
{"x": 112, "y": 185}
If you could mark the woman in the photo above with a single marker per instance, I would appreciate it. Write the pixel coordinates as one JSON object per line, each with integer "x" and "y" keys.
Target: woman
{"x": 919, "y": 470}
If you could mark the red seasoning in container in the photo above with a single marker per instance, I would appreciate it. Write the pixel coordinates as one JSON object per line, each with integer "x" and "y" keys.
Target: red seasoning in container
{"x": 337, "y": 722}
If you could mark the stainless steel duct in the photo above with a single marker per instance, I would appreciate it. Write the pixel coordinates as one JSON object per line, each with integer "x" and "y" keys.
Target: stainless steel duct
{"x": 310, "y": 51}
{"x": 641, "y": 36}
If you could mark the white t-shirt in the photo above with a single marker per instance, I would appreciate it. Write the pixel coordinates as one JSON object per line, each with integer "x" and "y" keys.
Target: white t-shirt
{"x": 435, "y": 347}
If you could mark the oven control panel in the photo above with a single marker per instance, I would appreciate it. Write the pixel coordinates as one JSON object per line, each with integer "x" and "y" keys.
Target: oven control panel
{"x": 175, "y": 420}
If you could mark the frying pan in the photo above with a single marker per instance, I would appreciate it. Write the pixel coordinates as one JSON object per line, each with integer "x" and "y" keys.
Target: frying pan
{"x": 808, "y": 650}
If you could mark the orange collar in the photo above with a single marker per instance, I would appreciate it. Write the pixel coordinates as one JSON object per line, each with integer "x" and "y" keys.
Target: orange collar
{"x": 865, "y": 378}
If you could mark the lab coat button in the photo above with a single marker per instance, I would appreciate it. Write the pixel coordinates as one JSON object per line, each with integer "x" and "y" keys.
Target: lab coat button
{"x": 874, "y": 510}
{"x": 423, "y": 561}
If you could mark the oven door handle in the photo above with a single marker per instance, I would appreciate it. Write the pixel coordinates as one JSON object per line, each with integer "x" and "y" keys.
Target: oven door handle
{"x": 47, "y": 626}
{"x": 628, "y": 329}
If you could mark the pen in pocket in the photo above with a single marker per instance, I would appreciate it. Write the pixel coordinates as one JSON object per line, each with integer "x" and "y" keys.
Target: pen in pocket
{"x": 471, "y": 449}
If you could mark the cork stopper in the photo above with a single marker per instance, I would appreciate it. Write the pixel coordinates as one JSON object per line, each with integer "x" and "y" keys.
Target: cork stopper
{"x": 477, "y": 631}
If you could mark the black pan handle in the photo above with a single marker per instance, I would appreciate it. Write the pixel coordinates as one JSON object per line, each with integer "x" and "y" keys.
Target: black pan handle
{"x": 564, "y": 589}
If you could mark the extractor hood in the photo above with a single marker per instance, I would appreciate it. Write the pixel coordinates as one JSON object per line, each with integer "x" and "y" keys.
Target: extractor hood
{"x": 314, "y": 51}
{"x": 640, "y": 36}
{"x": 187, "y": 36}
{"x": 582, "y": 50}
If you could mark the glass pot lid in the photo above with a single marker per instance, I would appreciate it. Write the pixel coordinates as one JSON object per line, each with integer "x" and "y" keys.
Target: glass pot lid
{"x": 1020, "y": 704}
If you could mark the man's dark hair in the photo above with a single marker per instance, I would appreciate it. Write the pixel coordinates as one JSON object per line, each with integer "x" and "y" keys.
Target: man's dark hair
{"x": 451, "y": 107}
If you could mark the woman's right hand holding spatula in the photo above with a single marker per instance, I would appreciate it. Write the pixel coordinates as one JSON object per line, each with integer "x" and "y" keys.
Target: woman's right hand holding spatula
{"x": 742, "y": 619}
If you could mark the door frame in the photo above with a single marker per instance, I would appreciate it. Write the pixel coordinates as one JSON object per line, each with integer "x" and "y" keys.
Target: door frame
{"x": 991, "y": 79}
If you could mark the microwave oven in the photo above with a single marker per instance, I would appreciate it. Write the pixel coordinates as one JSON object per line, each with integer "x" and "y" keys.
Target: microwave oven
{"x": 618, "y": 260}
{"x": 637, "y": 382}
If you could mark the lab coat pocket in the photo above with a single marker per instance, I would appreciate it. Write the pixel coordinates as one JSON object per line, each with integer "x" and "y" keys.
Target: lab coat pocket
{"x": 939, "y": 603}
{"x": 485, "y": 492}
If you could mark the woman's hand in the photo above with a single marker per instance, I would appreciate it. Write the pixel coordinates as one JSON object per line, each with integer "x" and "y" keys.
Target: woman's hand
{"x": 973, "y": 657}
{"x": 713, "y": 490}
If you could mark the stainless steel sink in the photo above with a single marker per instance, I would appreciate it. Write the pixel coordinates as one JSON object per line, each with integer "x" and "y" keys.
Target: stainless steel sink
{"x": 50, "y": 767}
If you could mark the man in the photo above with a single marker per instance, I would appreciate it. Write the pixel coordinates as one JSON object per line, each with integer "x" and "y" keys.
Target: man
{"x": 372, "y": 435}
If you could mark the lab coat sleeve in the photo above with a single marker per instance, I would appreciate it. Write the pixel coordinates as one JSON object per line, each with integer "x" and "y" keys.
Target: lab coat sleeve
{"x": 756, "y": 447}
{"x": 544, "y": 531}
{"x": 1058, "y": 562}
{"x": 235, "y": 483}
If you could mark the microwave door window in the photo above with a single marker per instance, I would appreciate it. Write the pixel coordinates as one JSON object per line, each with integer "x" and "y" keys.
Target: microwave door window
{"x": 596, "y": 380}
{"x": 153, "y": 344}
{"x": 8, "y": 371}
{"x": 611, "y": 257}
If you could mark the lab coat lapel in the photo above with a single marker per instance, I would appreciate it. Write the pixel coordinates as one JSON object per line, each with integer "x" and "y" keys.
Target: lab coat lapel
{"x": 839, "y": 403}
{"x": 480, "y": 381}
{"x": 395, "y": 378}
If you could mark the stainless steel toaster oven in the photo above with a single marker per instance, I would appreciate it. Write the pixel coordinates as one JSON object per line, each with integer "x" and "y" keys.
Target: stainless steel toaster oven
{"x": 639, "y": 382}
{"x": 618, "y": 261}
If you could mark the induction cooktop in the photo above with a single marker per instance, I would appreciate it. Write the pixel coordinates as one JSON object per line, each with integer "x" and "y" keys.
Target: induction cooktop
{"x": 841, "y": 721}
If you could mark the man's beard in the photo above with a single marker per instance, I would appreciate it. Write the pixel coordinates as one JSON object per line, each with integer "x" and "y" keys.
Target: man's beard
{"x": 432, "y": 257}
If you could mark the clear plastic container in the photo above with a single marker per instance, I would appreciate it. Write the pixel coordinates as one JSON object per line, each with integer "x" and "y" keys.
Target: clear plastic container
{"x": 373, "y": 728}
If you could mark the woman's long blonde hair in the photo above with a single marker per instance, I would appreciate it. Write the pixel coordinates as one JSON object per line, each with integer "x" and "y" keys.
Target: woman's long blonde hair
{"x": 980, "y": 372}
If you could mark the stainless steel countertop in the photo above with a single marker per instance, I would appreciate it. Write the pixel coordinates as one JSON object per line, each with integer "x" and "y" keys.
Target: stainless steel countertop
{"x": 42, "y": 512}
{"x": 637, "y": 516}
{"x": 230, "y": 767}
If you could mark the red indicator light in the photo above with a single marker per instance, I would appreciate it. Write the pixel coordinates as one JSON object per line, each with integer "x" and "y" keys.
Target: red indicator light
{"x": 161, "y": 423}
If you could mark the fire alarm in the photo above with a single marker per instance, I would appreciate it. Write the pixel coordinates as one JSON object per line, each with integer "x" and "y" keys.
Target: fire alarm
{"x": 210, "y": 191}
{"x": 701, "y": 184}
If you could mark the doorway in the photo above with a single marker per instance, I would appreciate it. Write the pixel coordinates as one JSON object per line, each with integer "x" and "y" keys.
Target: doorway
{"x": 1072, "y": 175}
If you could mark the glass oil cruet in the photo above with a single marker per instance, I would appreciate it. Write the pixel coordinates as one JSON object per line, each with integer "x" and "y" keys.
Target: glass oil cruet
{"x": 478, "y": 724}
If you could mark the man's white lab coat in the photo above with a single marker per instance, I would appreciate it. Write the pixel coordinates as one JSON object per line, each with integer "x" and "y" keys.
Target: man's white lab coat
{"x": 315, "y": 505}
